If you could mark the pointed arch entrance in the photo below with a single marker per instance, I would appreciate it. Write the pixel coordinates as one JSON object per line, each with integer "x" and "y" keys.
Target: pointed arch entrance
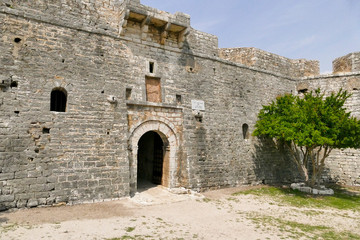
{"x": 152, "y": 154}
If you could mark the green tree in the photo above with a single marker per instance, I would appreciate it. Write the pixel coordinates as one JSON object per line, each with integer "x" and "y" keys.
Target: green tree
{"x": 309, "y": 127}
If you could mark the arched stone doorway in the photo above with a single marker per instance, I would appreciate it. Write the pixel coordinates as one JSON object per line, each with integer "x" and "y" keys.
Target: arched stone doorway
{"x": 150, "y": 159}
{"x": 153, "y": 130}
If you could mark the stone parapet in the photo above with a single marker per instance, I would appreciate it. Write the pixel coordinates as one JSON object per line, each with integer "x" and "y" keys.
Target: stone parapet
{"x": 347, "y": 63}
{"x": 257, "y": 58}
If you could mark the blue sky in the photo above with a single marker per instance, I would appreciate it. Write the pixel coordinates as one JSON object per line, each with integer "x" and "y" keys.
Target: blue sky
{"x": 313, "y": 29}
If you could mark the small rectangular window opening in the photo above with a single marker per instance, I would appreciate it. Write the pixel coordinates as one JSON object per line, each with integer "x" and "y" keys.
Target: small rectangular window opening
{"x": 14, "y": 84}
{"x": 151, "y": 67}
{"x": 128, "y": 93}
{"x": 178, "y": 99}
{"x": 46, "y": 130}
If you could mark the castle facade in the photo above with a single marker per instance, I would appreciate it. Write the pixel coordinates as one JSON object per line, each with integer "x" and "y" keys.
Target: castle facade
{"x": 96, "y": 96}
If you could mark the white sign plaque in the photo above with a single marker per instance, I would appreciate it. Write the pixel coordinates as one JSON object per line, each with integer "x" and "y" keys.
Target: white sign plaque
{"x": 198, "y": 105}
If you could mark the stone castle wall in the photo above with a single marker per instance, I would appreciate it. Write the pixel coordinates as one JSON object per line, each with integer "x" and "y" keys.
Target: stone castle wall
{"x": 95, "y": 16}
{"x": 50, "y": 157}
{"x": 348, "y": 63}
{"x": 343, "y": 165}
{"x": 253, "y": 57}
{"x": 101, "y": 53}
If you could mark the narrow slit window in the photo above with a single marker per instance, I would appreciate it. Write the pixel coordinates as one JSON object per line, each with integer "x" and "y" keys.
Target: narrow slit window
{"x": 151, "y": 67}
{"x": 58, "y": 100}
{"x": 128, "y": 93}
{"x": 245, "y": 130}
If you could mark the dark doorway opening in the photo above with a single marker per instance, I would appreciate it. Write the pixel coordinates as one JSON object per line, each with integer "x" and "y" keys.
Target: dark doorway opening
{"x": 150, "y": 159}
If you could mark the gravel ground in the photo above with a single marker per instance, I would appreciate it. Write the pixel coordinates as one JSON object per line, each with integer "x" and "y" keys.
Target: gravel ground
{"x": 158, "y": 213}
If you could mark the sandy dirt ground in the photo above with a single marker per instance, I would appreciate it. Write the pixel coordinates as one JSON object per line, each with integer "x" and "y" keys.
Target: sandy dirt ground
{"x": 158, "y": 213}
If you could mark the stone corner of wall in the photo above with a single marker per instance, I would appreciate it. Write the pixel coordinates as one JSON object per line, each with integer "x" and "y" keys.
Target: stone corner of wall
{"x": 347, "y": 63}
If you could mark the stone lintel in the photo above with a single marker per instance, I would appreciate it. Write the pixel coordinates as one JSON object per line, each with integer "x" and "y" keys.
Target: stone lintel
{"x": 132, "y": 103}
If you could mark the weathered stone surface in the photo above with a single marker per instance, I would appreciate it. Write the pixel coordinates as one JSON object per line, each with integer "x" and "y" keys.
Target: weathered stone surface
{"x": 6, "y": 198}
{"x": 348, "y": 63}
{"x": 32, "y": 203}
{"x": 316, "y": 191}
{"x": 99, "y": 50}
{"x": 253, "y": 57}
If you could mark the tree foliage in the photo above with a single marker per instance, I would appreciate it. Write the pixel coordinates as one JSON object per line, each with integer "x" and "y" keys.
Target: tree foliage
{"x": 310, "y": 127}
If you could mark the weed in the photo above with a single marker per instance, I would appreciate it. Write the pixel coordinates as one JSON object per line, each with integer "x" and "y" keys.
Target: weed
{"x": 232, "y": 199}
{"x": 340, "y": 200}
{"x": 121, "y": 238}
{"x": 297, "y": 230}
{"x": 136, "y": 237}
{"x": 8, "y": 227}
{"x": 206, "y": 200}
{"x": 331, "y": 235}
{"x": 130, "y": 229}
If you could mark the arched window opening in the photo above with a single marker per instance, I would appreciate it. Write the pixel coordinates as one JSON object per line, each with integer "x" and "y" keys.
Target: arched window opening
{"x": 58, "y": 100}
{"x": 245, "y": 129}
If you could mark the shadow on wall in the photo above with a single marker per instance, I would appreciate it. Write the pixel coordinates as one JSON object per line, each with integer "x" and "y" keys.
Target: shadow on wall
{"x": 187, "y": 58}
{"x": 272, "y": 164}
{"x": 329, "y": 177}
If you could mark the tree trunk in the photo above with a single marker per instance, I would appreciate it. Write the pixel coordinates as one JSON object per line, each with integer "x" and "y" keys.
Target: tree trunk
{"x": 299, "y": 160}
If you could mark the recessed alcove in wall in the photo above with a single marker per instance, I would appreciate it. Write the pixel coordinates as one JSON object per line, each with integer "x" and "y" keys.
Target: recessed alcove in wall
{"x": 153, "y": 89}
{"x": 46, "y": 130}
{"x": 178, "y": 99}
{"x": 303, "y": 91}
{"x": 13, "y": 84}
